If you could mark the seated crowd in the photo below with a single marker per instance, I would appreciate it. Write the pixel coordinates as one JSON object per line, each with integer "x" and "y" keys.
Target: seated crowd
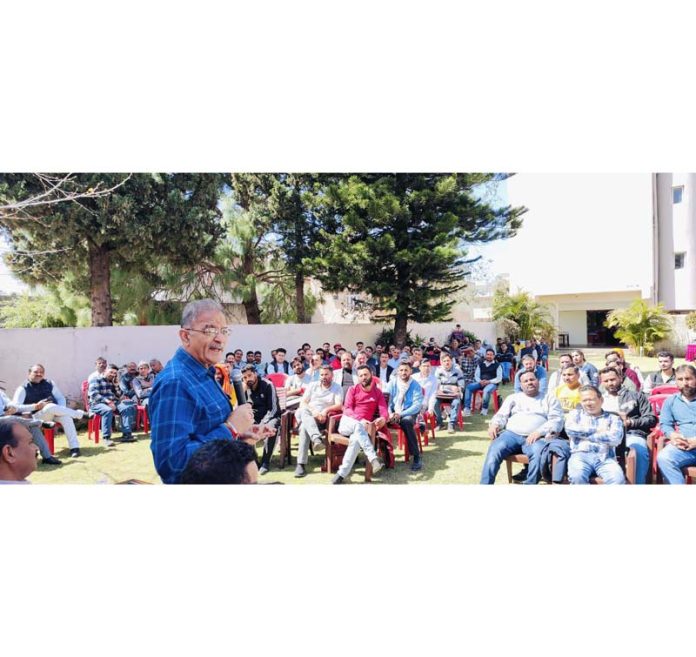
{"x": 573, "y": 424}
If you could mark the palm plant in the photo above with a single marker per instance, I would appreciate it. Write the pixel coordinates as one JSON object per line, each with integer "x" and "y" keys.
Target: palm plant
{"x": 640, "y": 325}
{"x": 521, "y": 316}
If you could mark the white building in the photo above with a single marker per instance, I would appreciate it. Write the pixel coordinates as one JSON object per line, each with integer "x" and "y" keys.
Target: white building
{"x": 591, "y": 243}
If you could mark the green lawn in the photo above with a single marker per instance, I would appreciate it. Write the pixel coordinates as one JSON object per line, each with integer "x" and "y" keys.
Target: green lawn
{"x": 450, "y": 459}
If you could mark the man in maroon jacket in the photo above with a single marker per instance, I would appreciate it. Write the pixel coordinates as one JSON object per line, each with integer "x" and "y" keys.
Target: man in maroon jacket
{"x": 363, "y": 401}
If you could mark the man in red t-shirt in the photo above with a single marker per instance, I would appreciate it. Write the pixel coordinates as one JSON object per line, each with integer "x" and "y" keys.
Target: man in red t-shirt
{"x": 362, "y": 403}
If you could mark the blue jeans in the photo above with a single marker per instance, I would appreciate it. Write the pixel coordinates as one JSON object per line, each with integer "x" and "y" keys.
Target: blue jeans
{"x": 506, "y": 444}
{"x": 473, "y": 387}
{"x": 671, "y": 460}
{"x": 640, "y": 445}
{"x": 127, "y": 412}
{"x": 454, "y": 410}
{"x": 506, "y": 367}
{"x": 582, "y": 465}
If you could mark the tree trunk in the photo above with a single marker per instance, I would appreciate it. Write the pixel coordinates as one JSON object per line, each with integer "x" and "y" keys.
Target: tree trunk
{"x": 251, "y": 299}
{"x": 299, "y": 298}
{"x": 400, "y": 329}
{"x": 100, "y": 285}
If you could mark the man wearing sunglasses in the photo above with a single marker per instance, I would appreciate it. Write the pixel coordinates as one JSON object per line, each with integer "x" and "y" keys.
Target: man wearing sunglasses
{"x": 187, "y": 407}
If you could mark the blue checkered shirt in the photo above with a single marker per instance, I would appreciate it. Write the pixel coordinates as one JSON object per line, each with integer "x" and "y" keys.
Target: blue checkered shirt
{"x": 101, "y": 390}
{"x": 597, "y": 434}
{"x": 187, "y": 409}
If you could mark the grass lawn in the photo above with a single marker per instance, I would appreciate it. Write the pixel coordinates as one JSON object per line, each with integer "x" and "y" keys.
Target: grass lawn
{"x": 450, "y": 459}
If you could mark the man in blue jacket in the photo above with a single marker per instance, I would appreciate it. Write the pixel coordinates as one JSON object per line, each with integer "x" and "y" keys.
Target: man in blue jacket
{"x": 405, "y": 401}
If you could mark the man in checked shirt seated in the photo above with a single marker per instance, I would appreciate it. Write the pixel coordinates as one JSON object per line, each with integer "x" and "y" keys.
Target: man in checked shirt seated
{"x": 594, "y": 435}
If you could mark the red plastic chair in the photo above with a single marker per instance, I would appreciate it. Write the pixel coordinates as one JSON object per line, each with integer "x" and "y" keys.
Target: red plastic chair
{"x": 142, "y": 419}
{"x": 430, "y": 426}
{"x": 667, "y": 389}
{"x": 444, "y": 404}
{"x": 278, "y": 379}
{"x": 93, "y": 421}
{"x": 656, "y": 402}
{"x": 50, "y": 435}
{"x": 402, "y": 442}
{"x": 479, "y": 394}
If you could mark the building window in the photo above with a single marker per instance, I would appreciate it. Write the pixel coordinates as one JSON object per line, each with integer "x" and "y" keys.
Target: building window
{"x": 677, "y": 194}
{"x": 679, "y": 260}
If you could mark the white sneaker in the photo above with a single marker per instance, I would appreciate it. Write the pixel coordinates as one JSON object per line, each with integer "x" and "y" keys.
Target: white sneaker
{"x": 484, "y": 411}
{"x": 466, "y": 412}
{"x": 377, "y": 465}
{"x": 80, "y": 414}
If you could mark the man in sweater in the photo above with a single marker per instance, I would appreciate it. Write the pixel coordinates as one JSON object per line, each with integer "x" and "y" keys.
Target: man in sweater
{"x": 487, "y": 377}
{"x": 319, "y": 400}
{"x": 679, "y": 410}
{"x": 39, "y": 389}
{"x": 636, "y": 414}
{"x": 594, "y": 435}
{"x": 264, "y": 402}
{"x": 523, "y": 419}
{"x": 450, "y": 382}
{"x": 363, "y": 402}
{"x": 405, "y": 401}
{"x": 666, "y": 375}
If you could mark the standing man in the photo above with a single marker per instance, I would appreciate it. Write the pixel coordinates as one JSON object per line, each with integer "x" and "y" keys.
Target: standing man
{"x": 665, "y": 376}
{"x": 636, "y": 414}
{"x": 54, "y": 408}
{"x": 524, "y": 418}
{"x": 187, "y": 406}
{"x": 405, "y": 401}
{"x": 679, "y": 409}
{"x": 594, "y": 435}
{"x": 264, "y": 401}
{"x": 362, "y": 403}
{"x": 319, "y": 400}
{"x": 105, "y": 400}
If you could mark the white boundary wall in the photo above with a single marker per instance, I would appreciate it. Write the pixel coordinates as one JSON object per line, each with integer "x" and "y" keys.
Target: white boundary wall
{"x": 68, "y": 354}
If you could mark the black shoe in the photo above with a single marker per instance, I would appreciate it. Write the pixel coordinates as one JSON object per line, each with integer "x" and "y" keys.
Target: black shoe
{"x": 521, "y": 475}
{"x": 51, "y": 460}
{"x": 416, "y": 465}
{"x": 127, "y": 438}
{"x": 337, "y": 479}
{"x": 300, "y": 471}
{"x": 75, "y": 452}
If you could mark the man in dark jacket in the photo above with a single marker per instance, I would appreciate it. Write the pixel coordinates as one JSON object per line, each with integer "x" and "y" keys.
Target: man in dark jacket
{"x": 264, "y": 401}
{"x": 636, "y": 413}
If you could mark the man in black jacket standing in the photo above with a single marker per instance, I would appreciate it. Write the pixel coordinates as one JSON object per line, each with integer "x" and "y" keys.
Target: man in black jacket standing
{"x": 636, "y": 413}
{"x": 264, "y": 401}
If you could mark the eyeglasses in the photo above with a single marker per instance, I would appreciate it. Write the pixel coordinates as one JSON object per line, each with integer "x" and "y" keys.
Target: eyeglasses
{"x": 210, "y": 331}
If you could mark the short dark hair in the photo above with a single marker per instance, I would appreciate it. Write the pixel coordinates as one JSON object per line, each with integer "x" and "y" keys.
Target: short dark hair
{"x": 326, "y": 367}
{"x": 219, "y": 462}
{"x": 362, "y": 367}
{"x": 587, "y": 387}
{"x": 281, "y": 349}
{"x": 113, "y": 366}
{"x": 258, "y": 353}
{"x": 527, "y": 373}
{"x": 249, "y": 368}
{"x": 686, "y": 367}
{"x": 491, "y": 350}
{"x": 407, "y": 363}
{"x": 7, "y": 436}
{"x": 665, "y": 354}
{"x": 575, "y": 368}
{"x": 609, "y": 370}
{"x": 229, "y": 353}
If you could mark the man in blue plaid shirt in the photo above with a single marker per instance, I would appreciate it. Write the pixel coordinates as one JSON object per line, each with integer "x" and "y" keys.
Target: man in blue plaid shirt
{"x": 188, "y": 408}
{"x": 594, "y": 434}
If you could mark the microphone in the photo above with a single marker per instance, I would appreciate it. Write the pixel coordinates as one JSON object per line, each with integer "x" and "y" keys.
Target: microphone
{"x": 238, "y": 386}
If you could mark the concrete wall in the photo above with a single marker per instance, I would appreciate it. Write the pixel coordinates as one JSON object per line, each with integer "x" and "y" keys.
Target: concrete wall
{"x": 574, "y": 323}
{"x": 68, "y": 354}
